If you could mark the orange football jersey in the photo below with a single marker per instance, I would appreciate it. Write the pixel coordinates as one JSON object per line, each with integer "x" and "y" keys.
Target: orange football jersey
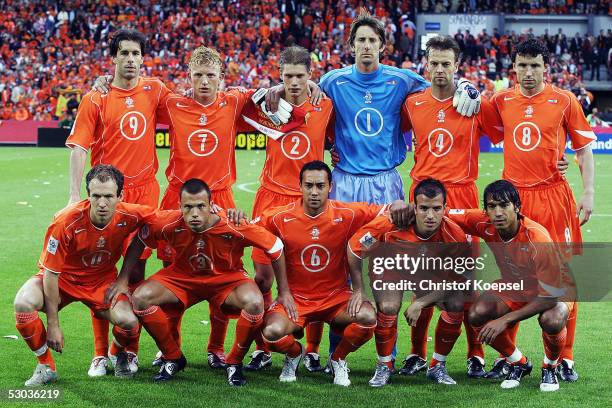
{"x": 530, "y": 256}
{"x": 535, "y": 133}
{"x": 315, "y": 247}
{"x": 119, "y": 128}
{"x": 203, "y": 138}
{"x": 213, "y": 251}
{"x": 286, "y": 155}
{"x": 445, "y": 144}
{"x": 83, "y": 253}
{"x": 382, "y": 229}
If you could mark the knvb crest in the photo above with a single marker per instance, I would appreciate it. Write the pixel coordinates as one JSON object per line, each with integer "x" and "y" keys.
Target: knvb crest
{"x": 529, "y": 111}
{"x": 200, "y": 244}
{"x": 315, "y": 233}
{"x": 129, "y": 102}
{"x": 101, "y": 242}
{"x": 368, "y": 97}
{"x": 203, "y": 120}
{"x": 441, "y": 116}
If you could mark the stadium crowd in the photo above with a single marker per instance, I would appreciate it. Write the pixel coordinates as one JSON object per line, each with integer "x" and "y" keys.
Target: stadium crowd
{"x": 516, "y": 7}
{"x": 51, "y": 51}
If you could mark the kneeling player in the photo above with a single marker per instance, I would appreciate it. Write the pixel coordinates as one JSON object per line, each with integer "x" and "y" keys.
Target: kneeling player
{"x": 315, "y": 232}
{"x": 524, "y": 253}
{"x": 430, "y": 227}
{"x": 83, "y": 244}
{"x": 207, "y": 266}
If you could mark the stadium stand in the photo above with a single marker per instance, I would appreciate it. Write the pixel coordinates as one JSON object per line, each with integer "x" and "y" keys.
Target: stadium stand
{"x": 50, "y": 51}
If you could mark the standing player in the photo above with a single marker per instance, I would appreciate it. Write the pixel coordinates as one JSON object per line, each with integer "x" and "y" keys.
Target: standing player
{"x": 525, "y": 254}
{"x": 537, "y": 118}
{"x": 279, "y": 180}
{"x": 430, "y": 227}
{"x": 315, "y": 232}
{"x": 119, "y": 128}
{"x": 83, "y": 245}
{"x": 446, "y": 145}
{"x": 207, "y": 266}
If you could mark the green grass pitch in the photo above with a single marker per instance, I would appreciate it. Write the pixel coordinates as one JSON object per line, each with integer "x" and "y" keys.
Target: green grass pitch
{"x": 35, "y": 185}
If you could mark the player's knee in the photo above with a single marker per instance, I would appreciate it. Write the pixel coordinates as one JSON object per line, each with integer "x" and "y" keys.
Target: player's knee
{"x": 23, "y": 305}
{"x": 273, "y": 332}
{"x": 253, "y": 303}
{"x": 366, "y": 315}
{"x": 388, "y": 308}
{"x": 141, "y": 299}
{"x": 477, "y": 316}
{"x": 551, "y": 322}
{"x": 127, "y": 321}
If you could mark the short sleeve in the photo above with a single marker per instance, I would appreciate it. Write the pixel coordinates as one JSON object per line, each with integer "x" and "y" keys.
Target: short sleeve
{"x": 473, "y": 222}
{"x": 56, "y": 248}
{"x": 490, "y": 121}
{"x": 579, "y": 130}
{"x": 85, "y": 123}
{"x": 369, "y": 236}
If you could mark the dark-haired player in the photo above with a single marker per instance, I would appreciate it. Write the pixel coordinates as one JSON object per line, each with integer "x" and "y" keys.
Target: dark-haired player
{"x": 432, "y": 227}
{"x": 119, "y": 129}
{"x": 207, "y": 266}
{"x": 537, "y": 118}
{"x": 77, "y": 264}
{"x": 526, "y": 254}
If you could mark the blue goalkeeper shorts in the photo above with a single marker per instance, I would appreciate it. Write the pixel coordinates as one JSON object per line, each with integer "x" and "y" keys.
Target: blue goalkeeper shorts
{"x": 382, "y": 188}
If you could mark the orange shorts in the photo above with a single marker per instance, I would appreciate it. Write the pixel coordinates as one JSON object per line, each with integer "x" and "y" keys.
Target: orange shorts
{"x": 553, "y": 206}
{"x": 266, "y": 199}
{"x": 514, "y": 305}
{"x": 146, "y": 194}
{"x": 323, "y": 310}
{"x": 172, "y": 201}
{"x": 192, "y": 289}
{"x": 91, "y": 295}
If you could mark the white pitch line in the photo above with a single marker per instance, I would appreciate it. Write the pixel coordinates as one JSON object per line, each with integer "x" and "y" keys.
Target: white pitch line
{"x": 244, "y": 187}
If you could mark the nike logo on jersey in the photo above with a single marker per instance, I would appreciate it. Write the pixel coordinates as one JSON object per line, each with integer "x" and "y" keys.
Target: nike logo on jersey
{"x": 341, "y": 82}
{"x": 122, "y": 224}
{"x": 552, "y": 100}
{"x": 288, "y": 219}
{"x": 417, "y": 103}
{"x": 78, "y": 231}
{"x": 338, "y": 219}
{"x": 508, "y": 99}
{"x": 179, "y": 229}
{"x": 178, "y": 105}
{"x": 392, "y": 82}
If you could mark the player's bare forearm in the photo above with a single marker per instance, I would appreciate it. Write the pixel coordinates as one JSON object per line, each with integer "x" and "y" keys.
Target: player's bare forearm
{"x": 77, "y": 166}
{"x": 586, "y": 162}
{"x": 132, "y": 255}
{"x": 280, "y": 273}
{"x": 534, "y": 307}
{"x": 355, "y": 265}
{"x": 51, "y": 290}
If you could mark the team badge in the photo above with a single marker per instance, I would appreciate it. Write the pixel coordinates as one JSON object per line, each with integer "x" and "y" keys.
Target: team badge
{"x": 315, "y": 233}
{"x": 337, "y": 220}
{"x": 147, "y": 87}
{"x": 226, "y": 236}
{"x": 367, "y": 240}
{"x": 441, "y": 116}
{"x": 368, "y": 97}
{"x": 529, "y": 111}
{"x": 101, "y": 242}
{"x": 200, "y": 244}
{"x": 129, "y": 102}
{"x": 222, "y": 104}
{"x": 122, "y": 224}
{"x": 203, "y": 120}
{"x": 52, "y": 245}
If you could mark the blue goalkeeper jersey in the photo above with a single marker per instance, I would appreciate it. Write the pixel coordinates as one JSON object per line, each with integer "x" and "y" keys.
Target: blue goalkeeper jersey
{"x": 368, "y": 134}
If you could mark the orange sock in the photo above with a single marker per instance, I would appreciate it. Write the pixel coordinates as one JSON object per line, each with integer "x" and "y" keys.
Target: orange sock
{"x": 218, "y": 330}
{"x": 100, "y": 333}
{"x": 174, "y": 313}
{"x": 448, "y": 330}
{"x": 418, "y": 333}
{"x": 314, "y": 333}
{"x": 259, "y": 341}
{"x": 285, "y": 345}
{"x": 354, "y": 336}
{"x": 155, "y": 322}
{"x": 568, "y": 349}
{"x": 553, "y": 345}
{"x": 385, "y": 335}
{"x": 246, "y": 329}
{"x": 33, "y": 332}
{"x": 512, "y": 332}
{"x": 474, "y": 347}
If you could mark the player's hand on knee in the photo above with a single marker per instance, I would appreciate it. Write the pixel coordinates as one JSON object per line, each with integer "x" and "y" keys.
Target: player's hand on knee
{"x": 585, "y": 208}
{"x": 55, "y": 338}
{"x": 413, "y": 313}
{"x": 467, "y": 98}
{"x": 236, "y": 215}
{"x": 491, "y": 330}
{"x": 102, "y": 83}
{"x": 113, "y": 292}
{"x": 286, "y": 299}
{"x": 562, "y": 165}
{"x": 355, "y": 302}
